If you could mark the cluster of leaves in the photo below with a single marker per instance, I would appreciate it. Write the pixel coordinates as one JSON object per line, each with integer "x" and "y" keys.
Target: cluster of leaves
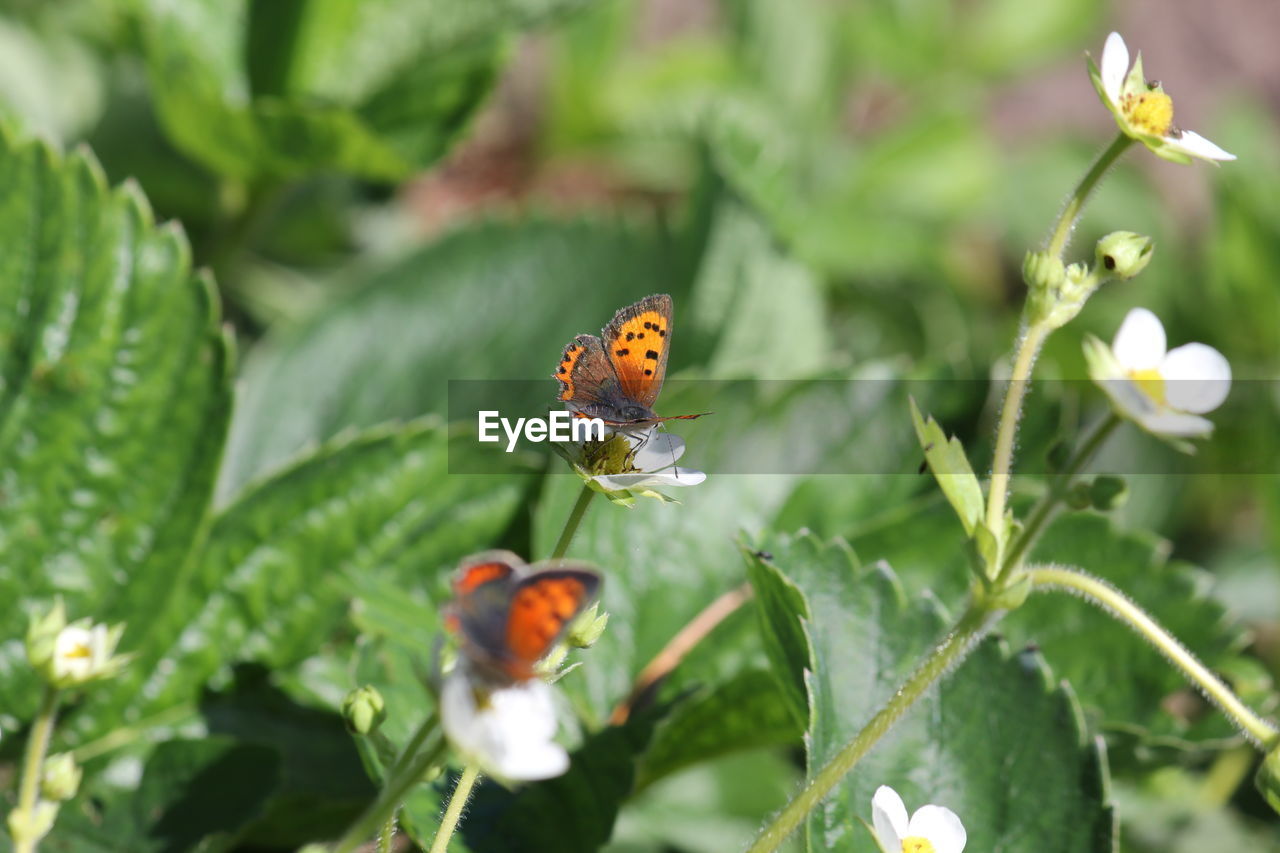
{"x": 321, "y": 563}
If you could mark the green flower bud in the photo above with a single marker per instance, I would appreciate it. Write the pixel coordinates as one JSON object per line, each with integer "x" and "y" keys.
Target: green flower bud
{"x": 1043, "y": 271}
{"x": 1268, "y": 779}
{"x": 587, "y": 628}
{"x": 1124, "y": 254}
{"x": 1108, "y": 492}
{"x": 1079, "y": 495}
{"x": 60, "y": 778}
{"x": 363, "y": 710}
{"x": 1059, "y": 455}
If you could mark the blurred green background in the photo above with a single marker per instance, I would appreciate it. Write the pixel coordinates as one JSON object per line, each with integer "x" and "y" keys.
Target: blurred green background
{"x": 392, "y": 195}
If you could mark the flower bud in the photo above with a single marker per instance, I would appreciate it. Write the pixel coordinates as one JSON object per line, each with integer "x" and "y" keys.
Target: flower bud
{"x": 1108, "y": 492}
{"x": 1078, "y": 496}
{"x": 1268, "y": 779}
{"x": 1124, "y": 254}
{"x": 1043, "y": 271}
{"x": 363, "y": 710}
{"x": 60, "y": 778}
{"x": 587, "y": 628}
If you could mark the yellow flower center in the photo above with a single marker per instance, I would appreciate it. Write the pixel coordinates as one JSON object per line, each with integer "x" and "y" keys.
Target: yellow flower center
{"x": 79, "y": 650}
{"x": 1150, "y": 112}
{"x": 916, "y": 844}
{"x": 1150, "y": 382}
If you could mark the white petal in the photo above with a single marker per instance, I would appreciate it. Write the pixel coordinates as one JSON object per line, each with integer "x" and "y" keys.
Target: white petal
{"x": 1197, "y": 378}
{"x": 509, "y": 735}
{"x": 889, "y": 816}
{"x": 941, "y": 826}
{"x": 1175, "y": 424}
{"x": 1197, "y": 146}
{"x": 669, "y": 477}
{"x": 1140, "y": 343}
{"x": 660, "y": 451}
{"x": 1114, "y": 66}
{"x": 1128, "y": 399}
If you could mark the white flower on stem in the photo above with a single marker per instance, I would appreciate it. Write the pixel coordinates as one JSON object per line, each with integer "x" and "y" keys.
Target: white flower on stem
{"x": 71, "y": 655}
{"x": 1142, "y": 110}
{"x": 632, "y": 463}
{"x": 507, "y": 731}
{"x": 932, "y": 829}
{"x": 1164, "y": 392}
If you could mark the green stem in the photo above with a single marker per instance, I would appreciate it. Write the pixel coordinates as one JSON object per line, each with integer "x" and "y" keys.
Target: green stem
{"x": 1058, "y": 488}
{"x": 33, "y": 764}
{"x": 408, "y": 771}
{"x": 1002, "y": 464}
{"x": 461, "y": 794}
{"x": 1075, "y": 205}
{"x": 571, "y": 525}
{"x": 942, "y": 659}
{"x": 387, "y": 835}
{"x": 1261, "y": 732}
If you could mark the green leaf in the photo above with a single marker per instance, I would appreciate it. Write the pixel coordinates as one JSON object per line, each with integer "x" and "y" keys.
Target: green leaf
{"x": 950, "y": 465}
{"x": 193, "y": 795}
{"x": 1118, "y": 674}
{"x": 114, "y": 399}
{"x": 280, "y": 89}
{"x": 997, "y": 742}
{"x": 435, "y": 315}
{"x": 281, "y": 564}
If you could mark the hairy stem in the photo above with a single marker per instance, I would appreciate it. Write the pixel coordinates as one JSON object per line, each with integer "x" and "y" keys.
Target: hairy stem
{"x": 943, "y": 658}
{"x": 1261, "y": 732}
{"x": 33, "y": 764}
{"x": 412, "y": 765}
{"x": 571, "y": 525}
{"x": 461, "y": 793}
{"x": 1075, "y": 204}
{"x": 1010, "y": 414}
{"x": 1058, "y": 488}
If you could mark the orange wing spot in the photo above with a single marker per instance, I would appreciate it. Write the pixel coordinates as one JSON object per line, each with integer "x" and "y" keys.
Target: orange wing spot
{"x": 564, "y": 372}
{"x": 539, "y": 612}
{"x": 479, "y": 575}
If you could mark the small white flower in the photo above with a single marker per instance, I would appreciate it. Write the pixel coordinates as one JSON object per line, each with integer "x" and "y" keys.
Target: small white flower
{"x": 630, "y": 463}
{"x": 1164, "y": 392}
{"x": 1143, "y": 110}
{"x": 72, "y": 655}
{"x": 506, "y": 731}
{"x": 932, "y": 829}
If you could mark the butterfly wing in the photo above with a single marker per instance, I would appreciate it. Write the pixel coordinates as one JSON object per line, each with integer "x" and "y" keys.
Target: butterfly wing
{"x": 636, "y": 342}
{"x": 482, "y": 590}
{"x": 586, "y": 377}
{"x": 542, "y": 606}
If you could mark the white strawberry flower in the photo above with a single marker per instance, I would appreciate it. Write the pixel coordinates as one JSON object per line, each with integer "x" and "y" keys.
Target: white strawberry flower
{"x": 1143, "y": 110}
{"x": 932, "y": 829}
{"x": 631, "y": 463}
{"x": 1163, "y": 391}
{"x": 507, "y": 731}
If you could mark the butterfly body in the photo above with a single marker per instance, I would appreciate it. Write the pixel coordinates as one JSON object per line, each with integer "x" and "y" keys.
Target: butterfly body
{"x": 617, "y": 376}
{"x": 509, "y": 615}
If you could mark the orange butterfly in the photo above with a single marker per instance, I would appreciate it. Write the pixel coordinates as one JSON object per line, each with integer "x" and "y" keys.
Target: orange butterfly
{"x": 617, "y": 376}
{"x": 509, "y": 615}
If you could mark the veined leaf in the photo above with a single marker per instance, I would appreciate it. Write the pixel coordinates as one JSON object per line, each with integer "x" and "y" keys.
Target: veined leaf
{"x": 997, "y": 741}
{"x": 114, "y": 399}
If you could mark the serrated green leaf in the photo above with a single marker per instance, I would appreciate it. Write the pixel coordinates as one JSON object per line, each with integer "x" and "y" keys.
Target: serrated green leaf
{"x": 1116, "y": 673}
{"x": 282, "y": 563}
{"x": 951, "y": 468}
{"x": 114, "y": 398}
{"x": 431, "y": 317}
{"x": 997, "y": 742}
